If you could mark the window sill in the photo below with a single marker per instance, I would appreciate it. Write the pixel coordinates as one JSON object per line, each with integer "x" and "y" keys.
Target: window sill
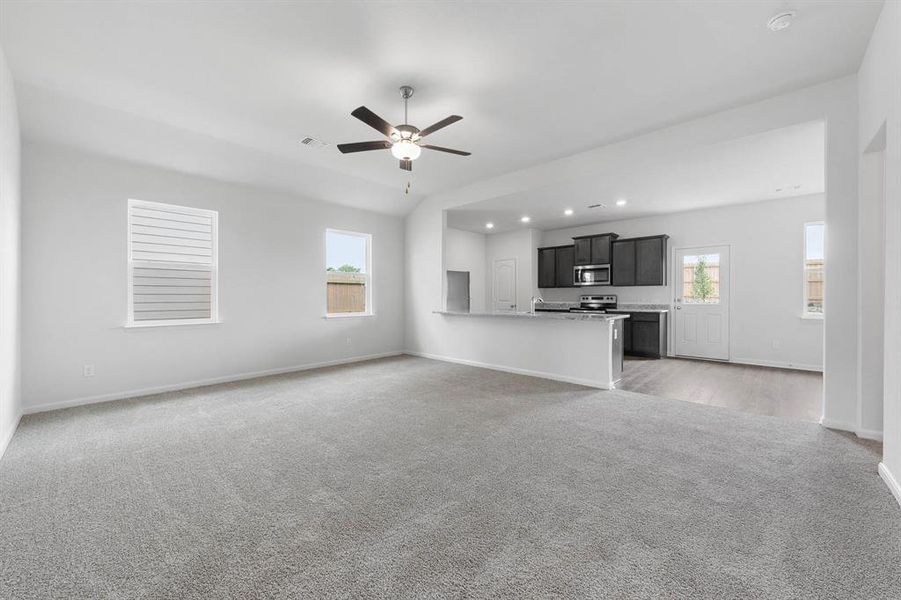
{"x": 812, "y": 317}
{"x": 348, "y": 315}
{"x": 152, "y": 324}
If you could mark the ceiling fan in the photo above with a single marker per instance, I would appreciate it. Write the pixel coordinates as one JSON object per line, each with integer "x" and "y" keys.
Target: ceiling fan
{"x": 405, "y": 141}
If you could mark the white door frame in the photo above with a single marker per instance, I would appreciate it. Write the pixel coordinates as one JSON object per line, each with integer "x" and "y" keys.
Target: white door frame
{"x": 673, "y": 280}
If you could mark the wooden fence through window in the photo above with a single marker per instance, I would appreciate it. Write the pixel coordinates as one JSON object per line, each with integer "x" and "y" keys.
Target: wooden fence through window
{"x": 346, "y": 292}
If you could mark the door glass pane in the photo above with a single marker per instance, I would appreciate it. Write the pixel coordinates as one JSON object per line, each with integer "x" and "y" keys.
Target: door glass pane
{"x": 701, "y": 279}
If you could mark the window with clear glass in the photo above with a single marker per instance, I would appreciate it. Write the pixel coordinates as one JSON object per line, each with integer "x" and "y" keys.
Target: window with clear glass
{"x": 701, "y": 279}
{"x": 814, "y": 268}
{"x": 348, "y": 269}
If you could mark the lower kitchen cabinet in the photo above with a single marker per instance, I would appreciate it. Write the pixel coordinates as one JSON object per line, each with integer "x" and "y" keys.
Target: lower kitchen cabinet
{"x": 644, "y": 334}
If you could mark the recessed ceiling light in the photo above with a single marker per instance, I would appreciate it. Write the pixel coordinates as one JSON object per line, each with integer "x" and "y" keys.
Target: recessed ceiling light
{"x": 526, "y": 219}
{"x": 568, "y": 212}
{"x": 621, "y": 202}
{"x": 780, "y": 21}
{"x": 489, "y": 225}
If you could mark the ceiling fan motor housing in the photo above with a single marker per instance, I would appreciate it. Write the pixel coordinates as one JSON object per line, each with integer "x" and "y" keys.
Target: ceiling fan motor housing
{"x": 405, "y": 132}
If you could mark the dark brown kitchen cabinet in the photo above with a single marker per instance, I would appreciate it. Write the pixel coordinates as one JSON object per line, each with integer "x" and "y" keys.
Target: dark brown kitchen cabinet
{"x": 565, "y": 256}
{"x": 639, "y": 261}
{"x": 644, "y": 334}
{"x": 650, "y": 261}
{"x": 593, "y": 249}
{"x": 547, "y": 261}
{"x": 555, "y": 266}
{"x": 582, "y": 251}
{"x": 622, "y": 271}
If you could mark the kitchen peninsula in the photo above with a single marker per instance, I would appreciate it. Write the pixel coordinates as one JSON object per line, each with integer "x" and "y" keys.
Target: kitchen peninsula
{"x": 585, "y": 349}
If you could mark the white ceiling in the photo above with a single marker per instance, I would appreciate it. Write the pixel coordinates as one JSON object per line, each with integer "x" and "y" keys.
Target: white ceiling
{"x": 228, "y": 89}
{"x": 777, "y": 164}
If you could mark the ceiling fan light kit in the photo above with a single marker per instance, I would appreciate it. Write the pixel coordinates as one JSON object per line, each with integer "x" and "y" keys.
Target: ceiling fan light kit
{"x": 403, "y": 140}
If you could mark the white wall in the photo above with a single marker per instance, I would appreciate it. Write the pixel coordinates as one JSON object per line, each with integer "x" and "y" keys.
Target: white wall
{"x": 521, "y": 245}
{"x": 466, "y": 252}
{"x": 871, "y": 293}
{"x": 10, "y": 258}
{"x": 834, "y": 101}
{"x": 880, "y": 106}
{"x": 271, "y": 282}
{"x": 767, "y": 241}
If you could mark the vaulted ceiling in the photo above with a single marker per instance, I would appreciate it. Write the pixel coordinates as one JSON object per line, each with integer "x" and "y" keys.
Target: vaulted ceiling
{"x": 228, "y": 89}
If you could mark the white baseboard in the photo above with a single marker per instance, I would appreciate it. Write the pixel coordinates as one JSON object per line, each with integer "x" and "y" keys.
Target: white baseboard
{"x": 776, "y": 364}
{"x": 199, "y": 383}
{"x": 890, "y": 481}
{"x": 542, "y": 374}
{"x": 832, "y": 424}
{"x": 869, "y": 434}
{"x": 7, "y": 438}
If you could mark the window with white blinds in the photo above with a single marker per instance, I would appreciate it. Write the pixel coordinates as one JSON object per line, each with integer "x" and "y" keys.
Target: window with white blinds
{"x": 172, "y": 264}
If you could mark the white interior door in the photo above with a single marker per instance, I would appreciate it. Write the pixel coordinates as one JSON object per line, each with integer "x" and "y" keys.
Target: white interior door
{"x": 701, "y": 302}
{"x": 504, "y": 286}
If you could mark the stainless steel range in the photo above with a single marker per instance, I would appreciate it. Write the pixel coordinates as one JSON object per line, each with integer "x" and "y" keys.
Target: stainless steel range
{"x": 595, "y": 304}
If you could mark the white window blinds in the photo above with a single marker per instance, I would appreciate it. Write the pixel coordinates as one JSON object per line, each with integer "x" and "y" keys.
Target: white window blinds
{"x": 172, "y": 263}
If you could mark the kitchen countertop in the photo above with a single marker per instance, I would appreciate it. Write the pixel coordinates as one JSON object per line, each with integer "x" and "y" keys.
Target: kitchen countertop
{"x": 556, "y": 305}
{"x": 559, "y": 316}
{"x": 656, "y": 308}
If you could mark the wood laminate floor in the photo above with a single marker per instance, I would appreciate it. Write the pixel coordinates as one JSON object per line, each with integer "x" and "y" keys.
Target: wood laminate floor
{"x": 759, "y": 390}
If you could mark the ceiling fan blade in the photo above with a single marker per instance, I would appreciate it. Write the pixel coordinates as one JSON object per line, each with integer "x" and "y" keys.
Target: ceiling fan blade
{"x": 406, "y": 165}
{"x": 450, "y": 150}
{"x": 439, "y": 125}
{"x": 374, "y": 121}
{"x": 364, "y": 146}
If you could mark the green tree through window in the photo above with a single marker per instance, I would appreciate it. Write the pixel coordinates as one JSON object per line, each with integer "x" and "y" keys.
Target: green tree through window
{"x": 345, "y": 269}
{"x": 702, "y": 286}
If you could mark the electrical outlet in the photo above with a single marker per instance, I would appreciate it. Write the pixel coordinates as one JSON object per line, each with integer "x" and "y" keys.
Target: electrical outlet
{"x": 777, "y": 344}
{"x": 348, "y": 341}
{"x": 88, "y": 371}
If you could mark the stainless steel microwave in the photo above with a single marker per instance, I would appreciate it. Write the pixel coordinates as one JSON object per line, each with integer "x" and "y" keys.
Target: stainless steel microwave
{"x": 591, "y": 275}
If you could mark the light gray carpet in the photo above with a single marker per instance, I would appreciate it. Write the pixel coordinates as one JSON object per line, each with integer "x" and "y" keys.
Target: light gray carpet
{"x": 409, "y": 478}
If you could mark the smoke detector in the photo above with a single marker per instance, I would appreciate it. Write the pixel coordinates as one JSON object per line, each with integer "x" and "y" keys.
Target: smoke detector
{"x": 781, "y": 21}
{"x": 313, "y": 143}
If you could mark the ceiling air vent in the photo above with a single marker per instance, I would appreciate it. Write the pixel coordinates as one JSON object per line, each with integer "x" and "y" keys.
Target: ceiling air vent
{"x": 599, "y": 205}
{"x": 313, "y": 143}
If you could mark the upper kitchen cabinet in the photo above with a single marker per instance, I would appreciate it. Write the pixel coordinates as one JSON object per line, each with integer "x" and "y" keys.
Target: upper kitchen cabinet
{"x": 565, "y": 257}
{"x": 593, "y": 249}
{"x": 650, "y": 260}
{"x": 622, "y": 270}
{"x": 639, "y": 261}
{"x": 555, "y": 266}
{"x": 547, "y": 267}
